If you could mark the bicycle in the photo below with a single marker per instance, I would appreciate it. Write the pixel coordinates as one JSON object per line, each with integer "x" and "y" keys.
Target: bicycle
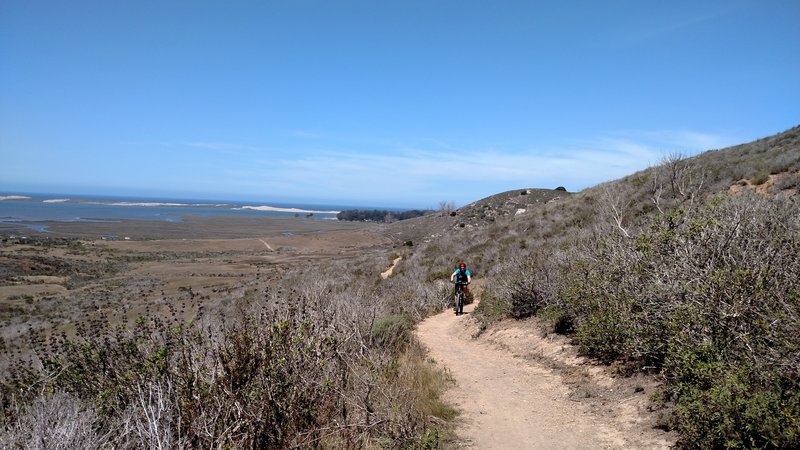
{"x": 459, "y": 297}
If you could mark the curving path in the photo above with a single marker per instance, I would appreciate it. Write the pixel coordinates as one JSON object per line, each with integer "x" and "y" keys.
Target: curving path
{"x": 512, "y": 403}
{"x": 390, "y": 270}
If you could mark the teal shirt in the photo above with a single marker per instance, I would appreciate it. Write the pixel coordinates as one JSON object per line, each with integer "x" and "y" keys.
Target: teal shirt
{"x": 460, "y": 277}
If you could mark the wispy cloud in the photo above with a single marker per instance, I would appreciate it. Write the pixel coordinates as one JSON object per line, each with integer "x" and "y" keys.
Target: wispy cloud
{"x": 665, "y": 27}
{"x": 148, "y": 143}
{"x": 305, "y": 134}
{"x": 464, "y": 175}
{"x": 219, "y": 146}
{"x": 419, "y": 173}
{"x": 680, "y": 140}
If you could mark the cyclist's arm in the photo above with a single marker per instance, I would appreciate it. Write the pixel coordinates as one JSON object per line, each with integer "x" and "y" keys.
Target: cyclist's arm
{"x": 453, "y": 276}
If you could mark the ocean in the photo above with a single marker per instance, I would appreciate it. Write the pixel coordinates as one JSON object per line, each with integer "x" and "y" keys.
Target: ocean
{"x": 31, "y": 210}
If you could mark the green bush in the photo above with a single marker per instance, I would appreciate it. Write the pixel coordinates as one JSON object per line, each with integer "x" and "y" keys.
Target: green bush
{"x": 392, "y": 330}
{"x": 492, "y": 307}
{"x": 558, "y": 319}
{"x": 603, "y": 311}
{"x": 707, "y": 295}
{"x": 723, "y": 406}
{"x": 760, "y": 178}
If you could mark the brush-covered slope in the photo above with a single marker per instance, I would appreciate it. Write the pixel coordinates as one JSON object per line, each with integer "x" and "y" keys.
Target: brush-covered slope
{"x": 770, "y": 166}
{"x": 688, "y": 270}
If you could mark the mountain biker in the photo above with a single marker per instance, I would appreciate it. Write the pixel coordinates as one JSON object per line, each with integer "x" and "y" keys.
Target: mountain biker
{"x": 463, "y": 277}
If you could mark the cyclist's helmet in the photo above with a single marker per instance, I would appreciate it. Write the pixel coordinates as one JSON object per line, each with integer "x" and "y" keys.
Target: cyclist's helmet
{"x": 462, "y": 265}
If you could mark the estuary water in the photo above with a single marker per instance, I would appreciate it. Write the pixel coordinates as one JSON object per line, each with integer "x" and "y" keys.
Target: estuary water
{"x": 31, "y": 210}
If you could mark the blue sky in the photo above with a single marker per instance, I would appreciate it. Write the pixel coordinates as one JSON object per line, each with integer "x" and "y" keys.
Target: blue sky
{"x": 385, "y": 103}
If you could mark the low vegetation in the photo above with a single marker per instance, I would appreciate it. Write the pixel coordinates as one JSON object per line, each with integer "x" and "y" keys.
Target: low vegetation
{"x": 376, "y": 215}
{"x": 322, "y": 357}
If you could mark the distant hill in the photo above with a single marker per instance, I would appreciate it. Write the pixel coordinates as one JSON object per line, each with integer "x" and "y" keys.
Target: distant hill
{"x": 508, "y": 204}
{"x": 770, "y": 165}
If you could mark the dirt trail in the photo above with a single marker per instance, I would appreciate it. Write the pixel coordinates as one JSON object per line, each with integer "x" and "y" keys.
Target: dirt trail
{"x": 510, "y": 402}
{"x": 267, "y": 245}
{"x": 390, "y": 270}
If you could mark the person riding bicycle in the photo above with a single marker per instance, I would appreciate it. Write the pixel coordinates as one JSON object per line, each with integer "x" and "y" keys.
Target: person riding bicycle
{"x": 461, "y": 277}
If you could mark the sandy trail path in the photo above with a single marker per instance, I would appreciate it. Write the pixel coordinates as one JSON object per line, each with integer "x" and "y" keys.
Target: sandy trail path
{"x": 508, "y": 402}
{"x": 267, "y": 245}
{"x": 386, "y": 274}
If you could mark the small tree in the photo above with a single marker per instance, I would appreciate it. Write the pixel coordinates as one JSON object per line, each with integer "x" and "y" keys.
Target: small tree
{"x": 446, "y": 207}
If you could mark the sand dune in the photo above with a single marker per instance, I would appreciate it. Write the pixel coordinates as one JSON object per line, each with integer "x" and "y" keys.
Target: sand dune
{"x": 289, "y": 210}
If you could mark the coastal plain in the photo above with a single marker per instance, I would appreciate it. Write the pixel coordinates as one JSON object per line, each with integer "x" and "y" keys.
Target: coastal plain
{"x": 78, "y": 273}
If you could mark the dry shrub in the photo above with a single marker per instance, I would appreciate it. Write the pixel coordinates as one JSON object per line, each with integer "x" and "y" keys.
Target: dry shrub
{"x": 709, "y": 297}
{"x": 57, "y": 421}
{"x": 788, "y": 181}
{"x": 424, "y": 382}
{"x": 392, "y": 330}
{"x": 317, "y": 362}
